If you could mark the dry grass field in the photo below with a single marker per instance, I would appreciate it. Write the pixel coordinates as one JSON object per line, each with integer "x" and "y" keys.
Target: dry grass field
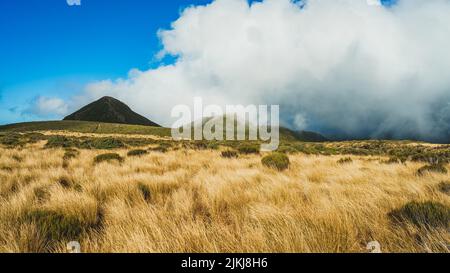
{"x": 188, "y": 200}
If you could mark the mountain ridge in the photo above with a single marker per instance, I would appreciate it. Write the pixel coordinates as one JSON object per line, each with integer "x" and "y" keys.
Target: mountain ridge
{"x": 109, "y": 110}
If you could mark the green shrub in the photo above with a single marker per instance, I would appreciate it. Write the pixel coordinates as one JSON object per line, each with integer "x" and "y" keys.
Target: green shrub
{"x": 108, "y": 157}
{"x": 10, "y": 139}
{"x": 145, "y": 191}
{"x": 106, "y": 144}
{"x": 60, "y": 142}
{"x": 428, "y": 214}
{"x": 34, "y": 137}
{"x": 395, "y": 160}
{"x": 70, "y": 154}
{"x": 287, "y": 150}
{"x": 55, "y": 226}
{"x": 230, "y": 154}
{"x": 213, "y": 146}
{"x": 199, "y": 145}
{"x": 444, "y": 187}
{"x": 137, "y": 153}
{"x": 162, "y": 148}
{"x": 248, "y": 149}
{"x": 434, "y": 168}
{"x": 345, "y": 160}
{"x": 277, "y": 161}
{"x": 65, "y": 182}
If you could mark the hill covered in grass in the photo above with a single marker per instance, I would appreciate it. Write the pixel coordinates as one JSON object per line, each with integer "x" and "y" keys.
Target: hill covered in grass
{"x": 86, "y": 127}
{"x": 112, "y": 128}
{"x": 110, "y": 110}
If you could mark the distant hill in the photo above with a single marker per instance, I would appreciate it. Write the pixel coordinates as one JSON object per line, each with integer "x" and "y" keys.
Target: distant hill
{"x": 285, "y": 133}
{"x": 110, "y": 110}
{"x": 310, "y": 136}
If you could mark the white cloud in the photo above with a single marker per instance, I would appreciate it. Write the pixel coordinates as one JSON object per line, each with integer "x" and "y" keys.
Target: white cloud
{"x": 44, "y": 106}
{"x": 346, "y": 67}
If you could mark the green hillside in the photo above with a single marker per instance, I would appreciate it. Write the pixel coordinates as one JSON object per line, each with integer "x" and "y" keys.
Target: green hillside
{"x": 112, "y": 128}
{"x": 86, "y": 127}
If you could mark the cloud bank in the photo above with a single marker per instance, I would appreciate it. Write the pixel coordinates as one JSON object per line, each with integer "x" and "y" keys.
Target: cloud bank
{"x": 45, "y": 107}
{"x": 342, "y": 67}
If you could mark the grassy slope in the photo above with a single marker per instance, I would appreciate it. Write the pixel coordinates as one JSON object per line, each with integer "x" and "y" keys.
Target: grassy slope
{"x": 112, "y": 128}
{"x": 85, "y": 127}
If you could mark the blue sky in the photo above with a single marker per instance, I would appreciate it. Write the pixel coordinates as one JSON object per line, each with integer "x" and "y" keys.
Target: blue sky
{"x": 50, "y": 48}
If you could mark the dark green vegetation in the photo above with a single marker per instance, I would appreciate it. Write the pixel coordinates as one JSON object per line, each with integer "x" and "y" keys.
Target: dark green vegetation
{"x": 444, "y": 187}
{"x": 433, "y": 168}
{"x": 162, "y": 147}
{"x": 145, "y": 191}
{"x": 86, "y": 127}
{"x": 110, "y": 110}
{"x": 70, "y": 154}
{"x": 108, "y": 157}
{"x": 423, "y": 214}
{"x": 137, "y": 153}
{"x": 55, "y": 226}
{"x": 247, "y": 149}
{"x": 277, "y": 161}
{"x": 345, "y": 160}
{"x": 17, "y": 135}
{"x": 306, "y": 136}
{"x": 229, "y": 154}
{"x": 12, "y": 139}
{"x": 106, "y": 143}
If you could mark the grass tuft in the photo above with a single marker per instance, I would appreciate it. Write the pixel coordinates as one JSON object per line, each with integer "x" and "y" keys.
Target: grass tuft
{"x": 229, "y": 154}
{"x": 423, "y": 214}
{"x": 249, "y": 149}
{"x": 277, "y": 161}
{"x": 444, "y": 187}
{"x": 145, "y": 191}
{"x": 433, "y": 168}
{"x": 137, "y": 153}
{"x": 346, "y": 160}
{"x": 108, "y": 157}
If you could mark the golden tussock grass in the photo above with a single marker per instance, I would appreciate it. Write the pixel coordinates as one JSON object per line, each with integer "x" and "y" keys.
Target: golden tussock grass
{"x": 198, "y": 201}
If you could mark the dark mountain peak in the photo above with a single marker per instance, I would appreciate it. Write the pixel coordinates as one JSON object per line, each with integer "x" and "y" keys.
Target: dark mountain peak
{"x": 110, "y": 110}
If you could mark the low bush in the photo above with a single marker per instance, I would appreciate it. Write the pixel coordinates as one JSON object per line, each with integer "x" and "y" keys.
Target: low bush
{"x": 277, "y": 161}
{"x": 162, "y": 147}
{"x": 55, "y": 226}
{"x": 230, "y": 154}
{"x": 70, "y": 154}
{"x": 434, "y": 168}
{"x": 346, "y": 160}
{"x": 108, "y": 157}
{"x": 425, "y": 214}
{"x": 249, "y": 149}
{"x": 213, "y": 146}
{"x": 444, "y": 187}
{"x": 65, "y": 182}
{"x": 287, "y": 150}
{"x": 60, "y": 142}
{"x": 137, "y": 153}
{"x": 106, "y": 144}
{"x": 11, "y": 139}
{"x": 34, "y": 137}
